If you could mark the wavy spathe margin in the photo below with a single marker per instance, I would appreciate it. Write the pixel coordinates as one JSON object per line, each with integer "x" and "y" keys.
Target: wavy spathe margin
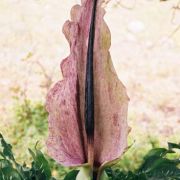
{"x": 67, "y": 142}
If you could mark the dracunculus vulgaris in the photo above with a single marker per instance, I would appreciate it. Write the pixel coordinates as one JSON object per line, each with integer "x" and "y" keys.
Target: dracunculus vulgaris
{"x": 88, "y": 108}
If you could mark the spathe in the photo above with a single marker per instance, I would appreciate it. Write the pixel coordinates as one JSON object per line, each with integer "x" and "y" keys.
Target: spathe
{"x": 67, "y": 142}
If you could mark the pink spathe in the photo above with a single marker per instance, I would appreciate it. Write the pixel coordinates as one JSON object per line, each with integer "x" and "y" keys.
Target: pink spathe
{"x": 67, "y": 142}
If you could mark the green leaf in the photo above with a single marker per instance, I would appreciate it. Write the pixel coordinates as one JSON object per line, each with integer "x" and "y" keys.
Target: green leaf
{"x": 11, "y": 170}
{"x": 72, "y": 175}
{"x": 173, "y": 146}
{"x": 40, "y": 165}
{"x": 117, "y": 175}
{"x": 156, "y": 166}
{"x": 7, "y": 149}
{"x": 5, "y": 163}
{"x": 158, "y": 152}
{"x": 165, "y": 172}
{"x": 9, "y": 173}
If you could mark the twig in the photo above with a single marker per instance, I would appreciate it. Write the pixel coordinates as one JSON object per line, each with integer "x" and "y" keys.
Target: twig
{"x": 126, "y": 7}
{"x": 175, "y": 31}
{"x": 175, "y": 8}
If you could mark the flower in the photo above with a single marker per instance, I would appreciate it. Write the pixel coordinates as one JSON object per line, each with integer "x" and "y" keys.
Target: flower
{"x": 68, "y": 141}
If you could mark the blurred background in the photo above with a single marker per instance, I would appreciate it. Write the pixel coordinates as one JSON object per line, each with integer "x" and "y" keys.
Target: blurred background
{"x": 145, "y": 51}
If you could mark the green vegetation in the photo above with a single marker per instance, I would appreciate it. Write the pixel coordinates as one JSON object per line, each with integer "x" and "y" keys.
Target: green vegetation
{"x": 133, "y": 157}
{"x": 10, "y": 169}
{"x": 31, "y": 126}
{"x": 158, "y": 164}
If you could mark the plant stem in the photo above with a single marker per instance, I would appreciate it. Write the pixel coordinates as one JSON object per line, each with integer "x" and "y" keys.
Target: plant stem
{"x": 95, "y": 175}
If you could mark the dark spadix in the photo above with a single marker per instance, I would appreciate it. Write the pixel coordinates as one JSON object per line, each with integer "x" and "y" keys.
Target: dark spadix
{"x": 89, "y": 89}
